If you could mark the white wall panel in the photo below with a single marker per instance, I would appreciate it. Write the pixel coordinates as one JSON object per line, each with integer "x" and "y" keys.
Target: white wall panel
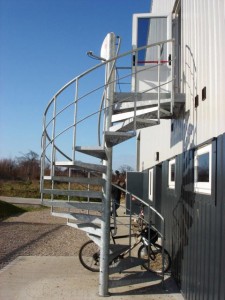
{"x": 203, "y": 44}
{"x": 162, "y": 6}
{"x": 203, "y": 65}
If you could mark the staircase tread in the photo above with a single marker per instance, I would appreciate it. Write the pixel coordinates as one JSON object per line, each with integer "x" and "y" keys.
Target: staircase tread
{"x": 96, "y": 151}
{"x": 81, "y": 165}
{"x": 119, "y": 117}
{"x": 117, "y": 249}
{"x": 112, "y": 133}
{"x": 113, "y": 138}
{"x": 85, "y": 180}
{"x": 125, "y": 264}
{"x": 80, "y": 217}
{"x": 96, "y": 206}
{"x": 89, "y": 228}
{"x": 91, "y": 225}
{"x": 78, "y": 193}
{"x": 127, "y": 96}
{"x": 140, "y": 96}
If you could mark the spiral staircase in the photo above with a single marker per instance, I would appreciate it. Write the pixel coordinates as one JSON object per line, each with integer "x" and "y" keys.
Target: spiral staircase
{"x": 83, "y": 122}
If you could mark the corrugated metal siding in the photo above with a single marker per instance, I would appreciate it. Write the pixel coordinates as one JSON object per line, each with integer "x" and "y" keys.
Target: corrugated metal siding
{"x": 162, "y": 6}
{"x": 202, "y": 65}
{"x": 203, "y": 43}
{"x": 195, "y": 227}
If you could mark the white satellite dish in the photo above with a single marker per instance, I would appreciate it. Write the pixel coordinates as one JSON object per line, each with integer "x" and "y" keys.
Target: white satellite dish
{"x": 105, "y": 49}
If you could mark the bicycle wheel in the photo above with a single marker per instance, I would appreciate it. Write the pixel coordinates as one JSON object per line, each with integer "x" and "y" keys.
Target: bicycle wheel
{"x": 89, "y": 256}
{"x": 154, "y": 261}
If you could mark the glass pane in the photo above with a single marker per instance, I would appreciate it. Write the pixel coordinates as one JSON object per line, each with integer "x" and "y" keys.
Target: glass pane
{"x": 151, "y": 30}
{"x": 203, "y": 168}
{"x": 150, "y": 183}
{"x": 172, "y": 172}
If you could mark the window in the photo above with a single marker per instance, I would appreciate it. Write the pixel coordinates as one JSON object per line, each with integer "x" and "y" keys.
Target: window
{"x": 203, "y": 170}
{"x": 172, "y": 174}
{"x": 151, "y": 30}
{"x": 150, "y": 184}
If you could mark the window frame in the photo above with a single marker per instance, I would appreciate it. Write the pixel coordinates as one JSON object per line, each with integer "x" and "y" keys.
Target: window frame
{"x": 138, "y": 16}
{"x": 150, "y": 183}
{"x": 172, "y": 183}
{"x": 200, "y": 186}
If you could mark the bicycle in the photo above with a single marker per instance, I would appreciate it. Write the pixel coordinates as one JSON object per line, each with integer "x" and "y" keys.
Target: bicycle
{"x": 141, "y": 217}
{"x": 89, "y": 254}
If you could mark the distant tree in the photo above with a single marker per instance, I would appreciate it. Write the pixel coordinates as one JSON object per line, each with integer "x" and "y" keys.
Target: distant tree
{"x": 29, "y": 165}
{"x": 7, "y": 169}
{"x": 125, "y": 168}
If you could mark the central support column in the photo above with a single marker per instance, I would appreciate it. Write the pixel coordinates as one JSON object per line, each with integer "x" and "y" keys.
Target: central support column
{"x": 108, "y": 48}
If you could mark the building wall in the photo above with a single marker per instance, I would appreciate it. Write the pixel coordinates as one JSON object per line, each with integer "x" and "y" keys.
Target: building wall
{"x": 162, "y": 6}
{"x": 202, "y": 65}
{"x": 195, "y": 223}
{"x": 195, "y": 226}
{"x": 157, "y": 139}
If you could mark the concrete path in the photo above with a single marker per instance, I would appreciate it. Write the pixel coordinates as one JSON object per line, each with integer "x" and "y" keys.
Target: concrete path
{"x": 63, "y": 278}
{"x": 19, "y": 200}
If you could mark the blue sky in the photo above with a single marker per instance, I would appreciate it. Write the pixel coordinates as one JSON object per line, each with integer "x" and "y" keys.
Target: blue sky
{"x": 43, "y": 45}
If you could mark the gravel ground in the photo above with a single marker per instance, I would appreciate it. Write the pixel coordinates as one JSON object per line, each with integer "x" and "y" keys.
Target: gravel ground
{"x": 37, "y": 233}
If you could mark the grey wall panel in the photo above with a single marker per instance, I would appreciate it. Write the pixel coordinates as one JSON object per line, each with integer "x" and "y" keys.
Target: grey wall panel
{"x": 134, "y": 186}
{"x": 195, "y": 226}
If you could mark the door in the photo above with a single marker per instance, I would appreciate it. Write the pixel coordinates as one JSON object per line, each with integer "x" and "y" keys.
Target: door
{"x": 149, "y": 29}
{"x": 134, "y": 186}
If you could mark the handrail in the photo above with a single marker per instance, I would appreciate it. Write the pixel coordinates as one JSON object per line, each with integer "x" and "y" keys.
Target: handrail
{"x": 52, "y": 139}
{"x": 150, "y": 208}
{"x": 104, "y": 63}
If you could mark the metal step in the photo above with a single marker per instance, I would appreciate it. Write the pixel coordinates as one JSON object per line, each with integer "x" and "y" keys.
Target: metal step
{"x": 87, "y": 218}
{"x": 95, "y": 238}
{"x": 98, "y": 152}
{"x": 79, "y": 217}
{"x": 124, "y": 106}
{"x": 142, "y": 121}
{"x": 81, "y": 165}
{"x": 131, "y": 96}
{"x": 129, "y": 106}
{"x": 75, "y": 193}
{"x": 127, "y": 115}
{"x": 134, "y": 278}
{"x": 115, "y": 138}
{"x": 116, "y": 250}
{"x": 95, "y": 206}
{"x": 129, "y": 125}
{"x": 81, "y": 180}
{"x": 147, "y": 113}
{"x": 125, "y": 264}
{"x": 89, "y": 228}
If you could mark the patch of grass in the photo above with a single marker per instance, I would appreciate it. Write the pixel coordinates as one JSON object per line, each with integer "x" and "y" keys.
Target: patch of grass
{"x": 26, "y": 189}
{"x": 8, "y": 210}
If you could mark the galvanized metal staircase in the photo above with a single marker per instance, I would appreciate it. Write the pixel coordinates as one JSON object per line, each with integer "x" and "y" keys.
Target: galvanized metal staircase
{"x": 79, "y": 134}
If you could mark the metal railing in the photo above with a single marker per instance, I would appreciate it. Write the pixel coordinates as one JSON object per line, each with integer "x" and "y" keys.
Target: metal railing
{"x": 56, "y": 113}
{"x": 160, "y": 228}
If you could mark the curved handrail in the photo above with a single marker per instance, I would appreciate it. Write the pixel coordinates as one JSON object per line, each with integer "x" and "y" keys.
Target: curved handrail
{"x": 150, "y": 208}
{"x": 75, "y": 80}
{"x": 102, "y": 64}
